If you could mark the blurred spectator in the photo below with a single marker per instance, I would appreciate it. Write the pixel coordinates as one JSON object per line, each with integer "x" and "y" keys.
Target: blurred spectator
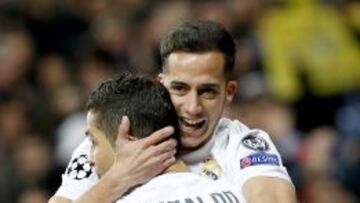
{"x": 347, "y": 121}
{"x": 15, "y": 58}
{"x": 14, "y": 124}
{"x": 92, "y": 70}
{"x": 31, "y": 167}
{"x": 111, "y": 35}
{"x": 33, "y": 196}
{"x": 161, "y": 17}
{"x": 319, "y": 163}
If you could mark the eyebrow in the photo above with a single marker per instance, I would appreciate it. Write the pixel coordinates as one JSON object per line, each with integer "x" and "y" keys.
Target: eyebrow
{"x": 206, "y": 85}
{"x": 177, "y": 83}
{"x": 210, "y": 85}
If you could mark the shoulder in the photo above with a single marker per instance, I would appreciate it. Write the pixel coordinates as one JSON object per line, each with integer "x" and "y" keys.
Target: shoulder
{"x": 234, "y": 125}
{"x": 79, "y": 166}
{"x": 235, "y": 141}
{"x": 245, "y": 153}
{"x": 236, "y": 130}
{"x": 79, "y": 175}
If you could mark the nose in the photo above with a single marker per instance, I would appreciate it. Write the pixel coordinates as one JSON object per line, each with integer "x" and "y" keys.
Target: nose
{"x": 193, "y": 104}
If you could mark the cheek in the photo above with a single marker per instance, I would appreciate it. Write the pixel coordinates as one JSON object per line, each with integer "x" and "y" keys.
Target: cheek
{"x": 214, "y": 107}
{"x": 214, "y": 111}
{"x": 107, "y": 159}
{"x": 100, "y": 159}
{"x": 177, "y": 102}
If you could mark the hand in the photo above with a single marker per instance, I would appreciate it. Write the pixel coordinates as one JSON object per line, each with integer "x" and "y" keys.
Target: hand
{"x": 138, "y": 161}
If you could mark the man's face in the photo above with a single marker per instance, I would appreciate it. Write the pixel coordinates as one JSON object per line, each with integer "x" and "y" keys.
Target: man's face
{"x": 199, "y": 92}
{"x": 101, "y": 153}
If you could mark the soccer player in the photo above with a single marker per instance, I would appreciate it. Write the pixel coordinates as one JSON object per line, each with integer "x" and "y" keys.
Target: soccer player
{"x": 198, "y": 58}
{"x": 148, "y": 105}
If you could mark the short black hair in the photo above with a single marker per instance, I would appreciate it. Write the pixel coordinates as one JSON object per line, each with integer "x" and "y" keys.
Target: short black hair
{"x": 145, "y": 101}
{"x": 199, "y": 36}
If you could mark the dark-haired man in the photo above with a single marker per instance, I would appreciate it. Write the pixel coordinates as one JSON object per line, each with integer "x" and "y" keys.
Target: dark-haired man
{"x": 198, "y": 58}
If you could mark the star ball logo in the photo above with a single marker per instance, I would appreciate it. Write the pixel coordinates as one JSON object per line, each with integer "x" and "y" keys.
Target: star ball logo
{"x": 255, "y": 142}
{"x": 79, "y": 168}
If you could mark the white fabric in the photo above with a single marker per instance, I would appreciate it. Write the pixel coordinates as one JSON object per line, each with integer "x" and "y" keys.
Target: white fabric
{"x": 184, "y": 188}
{"x": 229, "y": 150}
{"x": 225, "y": 147}
{"x": 73, "y": 188}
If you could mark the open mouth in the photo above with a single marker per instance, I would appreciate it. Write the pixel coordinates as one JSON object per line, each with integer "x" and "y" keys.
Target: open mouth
{"x": 193, "y": 124}
{"x": 193, "y": 127}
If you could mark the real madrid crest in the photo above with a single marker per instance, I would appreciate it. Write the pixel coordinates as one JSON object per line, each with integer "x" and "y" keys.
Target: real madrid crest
{"x": 211, "y": 169}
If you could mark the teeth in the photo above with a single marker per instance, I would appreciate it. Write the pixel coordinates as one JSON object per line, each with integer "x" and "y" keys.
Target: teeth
{"x": 192, "y": 123}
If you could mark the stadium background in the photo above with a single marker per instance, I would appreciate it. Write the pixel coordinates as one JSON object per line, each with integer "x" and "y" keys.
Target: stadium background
{"x": 298, "y": 64}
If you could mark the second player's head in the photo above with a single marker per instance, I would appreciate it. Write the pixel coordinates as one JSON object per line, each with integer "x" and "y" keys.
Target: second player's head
{"x": 198, "y": 59}
{"x": 147, "y": 104}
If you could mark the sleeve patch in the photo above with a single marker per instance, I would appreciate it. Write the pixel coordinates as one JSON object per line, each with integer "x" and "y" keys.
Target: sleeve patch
{"x": 255, "y": 142}
{"x": 259, "y": 159}
{"x": 79, "y": 168}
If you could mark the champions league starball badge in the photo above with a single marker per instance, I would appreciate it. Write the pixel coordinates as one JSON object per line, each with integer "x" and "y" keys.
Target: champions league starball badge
{"x": 79, "y": 168}
{"x": 255, "y": 142}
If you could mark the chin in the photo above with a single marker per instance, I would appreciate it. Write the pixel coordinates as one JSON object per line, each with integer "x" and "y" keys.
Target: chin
{"x": 192, "y": 144}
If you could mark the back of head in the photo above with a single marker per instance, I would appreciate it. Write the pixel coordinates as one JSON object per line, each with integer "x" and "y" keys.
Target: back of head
{"x": 145, "y": 101}
{"x": 198, "y": 37}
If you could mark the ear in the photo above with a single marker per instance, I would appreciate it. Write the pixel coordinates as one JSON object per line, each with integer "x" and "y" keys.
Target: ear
{"x": 123, "y": 130}
{"x": 161, "y": 78}
{"x": 231, "y": 87}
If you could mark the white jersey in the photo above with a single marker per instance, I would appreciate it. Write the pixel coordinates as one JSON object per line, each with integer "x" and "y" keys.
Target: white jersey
{"x": 235, "y": 153}
{"x": 79, "y": 175}
{"x": 184, "y": 188}
{"x": 241, "y": 153}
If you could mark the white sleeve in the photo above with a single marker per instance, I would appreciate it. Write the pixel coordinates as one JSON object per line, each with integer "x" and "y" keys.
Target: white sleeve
{"x": 79, "y": 175}
{"x": 250, "y": 153}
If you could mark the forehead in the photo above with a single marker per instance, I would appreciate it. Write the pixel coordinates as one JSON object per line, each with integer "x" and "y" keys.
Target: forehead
{"x": 207, "y": 67}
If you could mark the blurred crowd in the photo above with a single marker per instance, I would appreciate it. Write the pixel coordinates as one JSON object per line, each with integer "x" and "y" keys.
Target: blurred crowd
{"x": 298, "y": 66}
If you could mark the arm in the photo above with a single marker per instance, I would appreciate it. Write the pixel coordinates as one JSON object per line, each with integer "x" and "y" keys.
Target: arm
{"x": 267, "y": 189}
{"x": 55, "y": 199}
{"x": 136, "y": 162}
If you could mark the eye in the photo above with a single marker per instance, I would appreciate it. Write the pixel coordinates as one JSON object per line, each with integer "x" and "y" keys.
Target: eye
{"x": 208, "y": 93}
{"x": 178, "y": 89}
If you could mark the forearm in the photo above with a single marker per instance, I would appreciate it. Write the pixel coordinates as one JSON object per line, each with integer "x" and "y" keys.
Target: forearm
{"x": 265, "y": 189}
{"x": 56, "y": 199}
{"x": 107, "y": 190}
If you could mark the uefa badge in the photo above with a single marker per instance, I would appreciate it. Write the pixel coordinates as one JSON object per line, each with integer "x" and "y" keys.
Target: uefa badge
{"x": 79, "y": 168}
{"x": 255, "y": 142}
{"x": 211, "y": 169}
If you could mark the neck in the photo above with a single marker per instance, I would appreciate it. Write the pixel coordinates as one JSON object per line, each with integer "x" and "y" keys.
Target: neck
{"x": 178, "y": 166}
